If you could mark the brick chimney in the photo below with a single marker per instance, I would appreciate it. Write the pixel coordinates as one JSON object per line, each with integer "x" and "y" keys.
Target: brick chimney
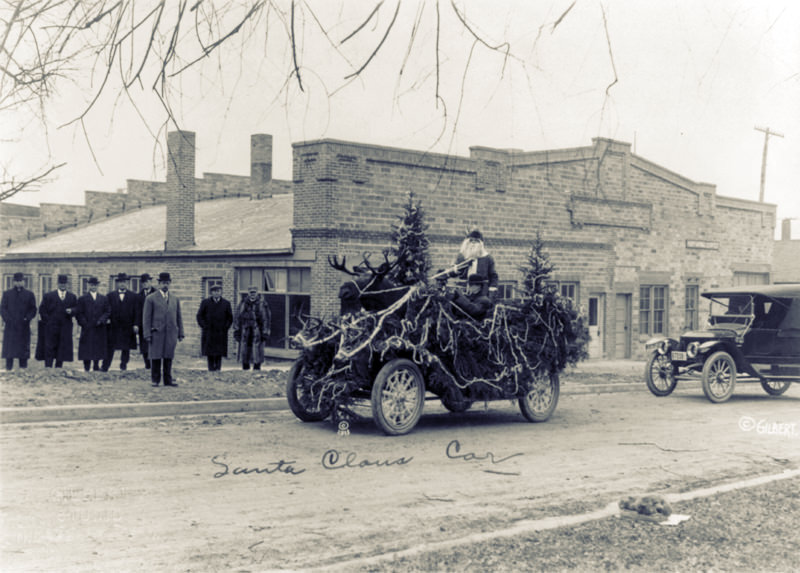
{"x": 180, "y": 190}
{"x": 786, "y": 230}
{"x": 260, "y": 161}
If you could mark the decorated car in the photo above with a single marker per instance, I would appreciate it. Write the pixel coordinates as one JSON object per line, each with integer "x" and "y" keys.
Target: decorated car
{"x": 403, "y": 337}
{"x": 753, "y": 335}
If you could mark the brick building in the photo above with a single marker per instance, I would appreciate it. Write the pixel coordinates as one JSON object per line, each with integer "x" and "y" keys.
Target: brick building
{"x": 632, "y": 242}
{"x": 786, "y": 256}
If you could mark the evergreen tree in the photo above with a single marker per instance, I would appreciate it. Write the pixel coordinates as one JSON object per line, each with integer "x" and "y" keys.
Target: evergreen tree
{"x": 410, "y": 246}
{"x": 538, "y": 269}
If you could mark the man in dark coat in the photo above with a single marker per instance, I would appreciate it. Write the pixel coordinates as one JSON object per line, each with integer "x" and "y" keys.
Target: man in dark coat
{"x": 473, "y": 304}
{"x": 215, "y": 317}
{"x": 56, "y": 312}
{"x": 147, "y": 289}
{"x": 92, "y": 314}
{"x": 123, "y": 323}
{"x": 18, "y": 308}
{"x": 163, "y": 328}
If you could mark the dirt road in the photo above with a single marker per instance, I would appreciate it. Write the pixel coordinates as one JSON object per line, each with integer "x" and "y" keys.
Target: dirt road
{"x": 260, "y": 492}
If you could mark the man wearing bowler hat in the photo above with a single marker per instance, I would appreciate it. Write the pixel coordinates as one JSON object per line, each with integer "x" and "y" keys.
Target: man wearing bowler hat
{"x": 123, "y": 324}
{"x": 18, "y": 308}
{"x": 56, "y": 312}
{"x": 147, "y": 288}
{"x": 163, "y": 328}
{"x": 92, "y": 315}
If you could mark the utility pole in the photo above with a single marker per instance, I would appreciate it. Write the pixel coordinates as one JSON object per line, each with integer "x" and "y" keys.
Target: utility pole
{"x": 767, "y": 133}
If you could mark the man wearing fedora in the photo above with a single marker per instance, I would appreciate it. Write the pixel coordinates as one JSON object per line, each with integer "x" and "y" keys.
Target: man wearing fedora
{"x": 147, "y": 288}
{"x": 18, "y": 308}
{"x": 92, "y": 315}
{"x": 163, "y": 328}
{"x": 215, "y": 318}
{"x": 56, "y": 312}
{"x": 473, "y": 303}
{"x": 122, "y": 323}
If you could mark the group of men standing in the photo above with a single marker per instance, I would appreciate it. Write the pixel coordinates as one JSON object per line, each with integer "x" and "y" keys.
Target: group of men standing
{"x": 122, "y": 319}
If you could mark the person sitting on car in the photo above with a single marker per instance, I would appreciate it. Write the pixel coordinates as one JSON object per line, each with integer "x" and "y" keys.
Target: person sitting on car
{"x": 473, "y": 303}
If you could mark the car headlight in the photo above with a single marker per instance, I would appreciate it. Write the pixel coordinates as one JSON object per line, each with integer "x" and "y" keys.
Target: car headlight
{"x": 692, "y": 348}
{"x": 663, "y": 347}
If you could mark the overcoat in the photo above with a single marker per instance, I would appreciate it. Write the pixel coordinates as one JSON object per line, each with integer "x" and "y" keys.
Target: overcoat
{"x": 92, "y": 316}
{"x": 252, "y": 324}
{"x": 214, "y": 318}
{"x": 139, "y": 315}
{"x": 123, "y": 318}
{"x": 18, "y": 308}
{"x": 162, "y": 321}
{"x": 57, "y": 325}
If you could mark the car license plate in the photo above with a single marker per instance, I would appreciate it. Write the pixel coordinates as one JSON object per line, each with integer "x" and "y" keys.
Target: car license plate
{"x": 678, "y": 355}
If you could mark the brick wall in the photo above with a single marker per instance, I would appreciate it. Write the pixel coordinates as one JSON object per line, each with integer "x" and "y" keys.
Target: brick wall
{"x": 180, "y": 190}
{"x": 611, "y": 220}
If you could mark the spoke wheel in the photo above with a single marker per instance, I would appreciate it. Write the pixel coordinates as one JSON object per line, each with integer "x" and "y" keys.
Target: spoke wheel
{"x": 303, "y": 405}
{"x": 719, "y": 377}
{"x": 659, "y": 373}
{"x": 398, "y": 396}
{"x": 775, "y": 387}
{"x": 541, "y": 400}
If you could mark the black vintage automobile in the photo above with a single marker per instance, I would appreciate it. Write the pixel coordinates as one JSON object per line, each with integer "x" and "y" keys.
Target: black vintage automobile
{"x": 753, "y": 335}
{"x": 420, "y": 345}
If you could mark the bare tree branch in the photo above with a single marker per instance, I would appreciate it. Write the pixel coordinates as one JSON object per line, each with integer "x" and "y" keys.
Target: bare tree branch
{"x": 378, "y": 47}
{"x": 294, "y": 53}
{"x": 364, "y": 23}
{"x": 12, "y": 187}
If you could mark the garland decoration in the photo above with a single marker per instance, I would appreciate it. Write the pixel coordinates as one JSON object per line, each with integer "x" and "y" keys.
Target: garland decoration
{"x": 500, "y": 357}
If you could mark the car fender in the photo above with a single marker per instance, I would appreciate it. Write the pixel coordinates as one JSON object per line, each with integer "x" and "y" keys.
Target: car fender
{"x": 661, "y": 344}
{"x": 707, "y": 348}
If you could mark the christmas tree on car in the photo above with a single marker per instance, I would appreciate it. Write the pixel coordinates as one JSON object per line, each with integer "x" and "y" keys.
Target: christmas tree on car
{"x": 409, "y": 337}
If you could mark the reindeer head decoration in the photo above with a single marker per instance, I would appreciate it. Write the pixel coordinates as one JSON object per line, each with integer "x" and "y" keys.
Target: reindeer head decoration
{"x": 369, "y": 288}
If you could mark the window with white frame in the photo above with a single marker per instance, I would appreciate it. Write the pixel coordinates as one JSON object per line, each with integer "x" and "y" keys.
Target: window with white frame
{"x": 691, "y": 302}
{"x": 506, "y": 290}
{"x": 653, "y": 309}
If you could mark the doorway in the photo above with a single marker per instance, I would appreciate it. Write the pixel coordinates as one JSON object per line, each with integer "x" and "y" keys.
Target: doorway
{"x": 596, "y": 321}
{"x": 622, "y": 323}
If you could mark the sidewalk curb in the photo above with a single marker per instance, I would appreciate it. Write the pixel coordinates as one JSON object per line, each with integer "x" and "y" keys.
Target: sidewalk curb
{"x": 138, "y": 410}
{"x": 77, "y": 412}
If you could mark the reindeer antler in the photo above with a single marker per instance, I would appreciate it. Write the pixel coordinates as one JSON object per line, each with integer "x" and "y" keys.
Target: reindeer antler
{"x": 341, "y": 266}
{"x": 386, "y": 266}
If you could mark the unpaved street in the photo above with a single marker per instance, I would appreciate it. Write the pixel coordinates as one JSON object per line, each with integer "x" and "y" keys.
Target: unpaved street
{"x": 265, "y": 491}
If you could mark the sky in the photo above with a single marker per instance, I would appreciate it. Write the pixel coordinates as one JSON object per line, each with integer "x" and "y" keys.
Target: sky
{"x": 685, "y": 82}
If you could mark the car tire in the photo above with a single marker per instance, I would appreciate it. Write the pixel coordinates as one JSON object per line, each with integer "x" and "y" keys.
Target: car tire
{"x": 719, "y": 377}
{"x": 398, "y": 396}
{"x": 659, "y": 373}
{"x": 299, "y": 400}
{"x": 775, "y": 387}
{"x": 541, "y": 399}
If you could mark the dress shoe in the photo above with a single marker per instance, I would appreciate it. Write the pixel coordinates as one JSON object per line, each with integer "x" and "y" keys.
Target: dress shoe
{"x": 171, "y": 384}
